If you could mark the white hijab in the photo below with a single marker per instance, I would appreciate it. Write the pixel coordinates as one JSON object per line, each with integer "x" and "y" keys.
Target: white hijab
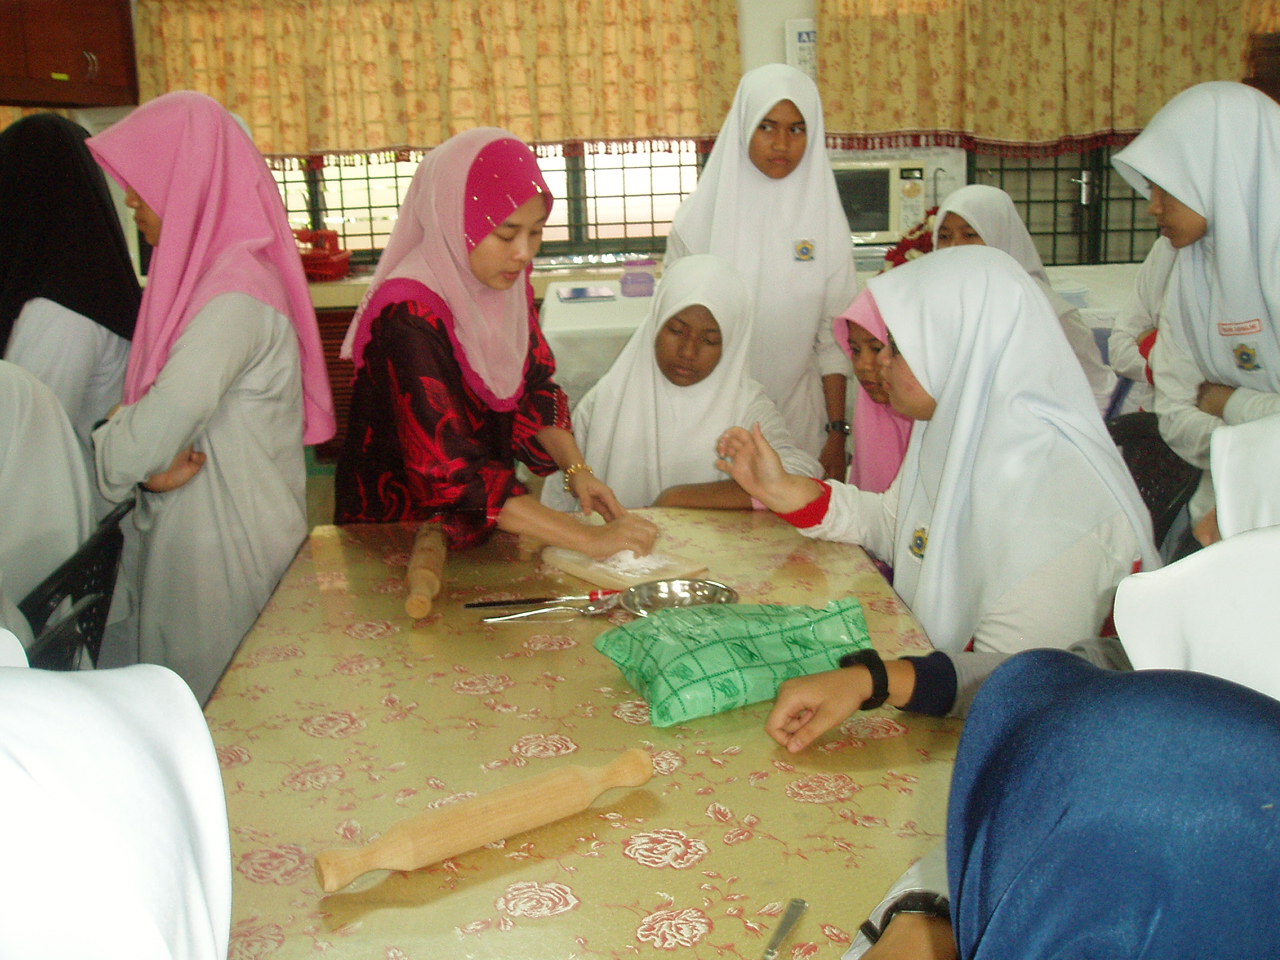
{"x": 1216, "y": 148}
{"x": 1214, "y": 611}
{"x": 761, "y": 226}
{"x": 1015, "y": 466}
{"x": 640, "y": 432}
{"x": 1245, "y": 463}
{"x": 117, "y": 844}
{"x": 990, "y": 211}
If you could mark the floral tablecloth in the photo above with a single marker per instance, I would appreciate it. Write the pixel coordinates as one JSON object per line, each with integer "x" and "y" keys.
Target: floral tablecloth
{"x": 340, "y": 715}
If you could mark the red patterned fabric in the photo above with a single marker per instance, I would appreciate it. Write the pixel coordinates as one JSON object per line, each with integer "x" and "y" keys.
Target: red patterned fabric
{"x": 421, "y": 445}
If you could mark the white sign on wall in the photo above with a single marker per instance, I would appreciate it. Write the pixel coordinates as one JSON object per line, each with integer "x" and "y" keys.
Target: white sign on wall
{"x": 802, "y": 45}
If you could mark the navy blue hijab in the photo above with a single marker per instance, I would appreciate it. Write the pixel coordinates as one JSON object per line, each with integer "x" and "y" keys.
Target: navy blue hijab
{"x": 1111, "y": 815}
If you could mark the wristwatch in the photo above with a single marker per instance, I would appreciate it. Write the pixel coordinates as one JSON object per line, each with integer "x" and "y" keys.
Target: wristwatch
{"x": 879, "y": 676}
{"x": 839, "y": 426}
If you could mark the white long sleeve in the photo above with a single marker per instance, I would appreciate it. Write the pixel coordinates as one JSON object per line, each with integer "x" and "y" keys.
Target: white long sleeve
{"x": 1141, "y": 313}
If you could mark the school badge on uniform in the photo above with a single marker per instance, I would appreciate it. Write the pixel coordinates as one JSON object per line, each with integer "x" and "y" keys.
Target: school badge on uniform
{"x": 804, "y": 249}
{"x": 1246, "y": 357}
{"x": 919, "y": 540}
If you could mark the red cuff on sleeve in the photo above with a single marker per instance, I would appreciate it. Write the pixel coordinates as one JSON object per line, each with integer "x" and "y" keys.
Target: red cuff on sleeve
{"x": 811, "y": 514}
{"x": 1144, "y": 348}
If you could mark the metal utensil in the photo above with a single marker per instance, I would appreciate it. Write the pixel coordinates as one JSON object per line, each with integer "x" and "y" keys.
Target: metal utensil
{"x": 522, "y": 601}
{"x": 645, "y": 598}
{"x": 602, "y": 605}
{"x": 795, "y": 910}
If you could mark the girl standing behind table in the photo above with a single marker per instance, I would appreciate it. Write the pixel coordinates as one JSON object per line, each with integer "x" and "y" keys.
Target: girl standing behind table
{"x": 226, "y": 382}
{"x": 979, "y": 214}
{"x": 1210, "y": 163}
{"x": 68, "y": 295}
{"x": 1013, "y": 517}
{"x": 650, "y": 425}
{"x": 767, "y": 203}
{"x": 453, "y": 376}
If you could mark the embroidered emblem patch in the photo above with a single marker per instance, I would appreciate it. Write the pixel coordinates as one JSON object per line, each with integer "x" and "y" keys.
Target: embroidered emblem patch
{"x": 1246, "y": 357}
{"x": 804, "y": 249}
{"x": 919, "y": 540}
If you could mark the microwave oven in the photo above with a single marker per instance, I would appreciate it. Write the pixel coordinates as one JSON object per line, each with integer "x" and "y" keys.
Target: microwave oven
{"x": 882, "y": 198}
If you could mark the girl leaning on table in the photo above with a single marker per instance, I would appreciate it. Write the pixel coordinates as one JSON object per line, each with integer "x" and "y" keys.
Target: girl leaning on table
{"x": 767, "y": 203}
{"x": 453, "y": 376}
{"x": 226, "y": 382}
{"x": 1210, "y": 163}
{"x": 650, "y": 425}
{"x": 1012, "y": 518}
{"x": 1212, "y": 613}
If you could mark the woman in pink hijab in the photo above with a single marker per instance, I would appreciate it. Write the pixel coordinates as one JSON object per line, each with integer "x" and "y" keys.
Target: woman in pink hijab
{"x": 453, "y": 376}
{"x": 226, "y": 382}
{"x": 880, "y": 433}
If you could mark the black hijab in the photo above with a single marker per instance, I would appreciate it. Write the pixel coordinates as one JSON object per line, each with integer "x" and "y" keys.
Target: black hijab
{"x": 60, "y": 237}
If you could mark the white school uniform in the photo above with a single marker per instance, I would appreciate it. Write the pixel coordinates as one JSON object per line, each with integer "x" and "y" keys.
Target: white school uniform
{"x": 1013, "y": 489}
{"x": 789, "y": 238}
{"x": 207, "y": 555}
{"x": 641, "y": 433}
{"x": 43, "y": 484}
{"x": 1216, "y": 148}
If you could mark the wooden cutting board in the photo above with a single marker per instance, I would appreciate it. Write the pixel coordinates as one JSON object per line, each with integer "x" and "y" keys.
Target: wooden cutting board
{"x": 604, "y": 575}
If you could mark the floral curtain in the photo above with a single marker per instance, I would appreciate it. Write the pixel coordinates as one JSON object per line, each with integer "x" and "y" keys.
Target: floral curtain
{"x": 349, "y": 76}
{"x": 1017, "y": 76}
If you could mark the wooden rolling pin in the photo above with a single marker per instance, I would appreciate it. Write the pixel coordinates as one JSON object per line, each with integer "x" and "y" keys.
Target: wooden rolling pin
{"x": 439, "y": 834}
{"x": 426, "y": 570}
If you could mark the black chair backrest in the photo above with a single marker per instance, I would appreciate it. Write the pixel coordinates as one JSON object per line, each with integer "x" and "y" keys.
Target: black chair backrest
{"x": 87, "y": 579}
{"x": 1165, "y": 481}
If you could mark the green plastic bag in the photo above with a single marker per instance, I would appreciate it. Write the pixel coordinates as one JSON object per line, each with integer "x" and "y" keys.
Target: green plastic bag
{"x": 691, "y": 662}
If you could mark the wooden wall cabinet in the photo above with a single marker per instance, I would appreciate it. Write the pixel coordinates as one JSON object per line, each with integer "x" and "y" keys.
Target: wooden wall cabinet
{"x": 67, "y": 53}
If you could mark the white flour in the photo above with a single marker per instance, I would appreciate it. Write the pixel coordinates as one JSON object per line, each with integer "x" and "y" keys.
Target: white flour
{"x": 625, "y": 563}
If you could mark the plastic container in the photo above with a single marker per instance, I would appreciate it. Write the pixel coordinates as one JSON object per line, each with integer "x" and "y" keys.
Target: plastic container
{"x": 321, "y": 258}
{"x": 637, "y": 278}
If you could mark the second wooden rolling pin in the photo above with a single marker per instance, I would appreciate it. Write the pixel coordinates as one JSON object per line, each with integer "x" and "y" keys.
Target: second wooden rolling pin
{"x": 448, "y": 831}
{"x": 426, "y": 570}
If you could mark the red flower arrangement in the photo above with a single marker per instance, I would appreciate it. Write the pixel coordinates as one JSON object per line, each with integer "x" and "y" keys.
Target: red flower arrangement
{"x": 916, "y": 242}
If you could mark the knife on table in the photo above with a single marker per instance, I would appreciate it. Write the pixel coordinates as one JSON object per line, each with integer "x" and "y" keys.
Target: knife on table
{"x": 593, "y": 595}
{"x": 795, "y": 909}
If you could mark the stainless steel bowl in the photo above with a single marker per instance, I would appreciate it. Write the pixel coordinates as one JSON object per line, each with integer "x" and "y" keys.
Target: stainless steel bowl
{"x": 645, "y": 598}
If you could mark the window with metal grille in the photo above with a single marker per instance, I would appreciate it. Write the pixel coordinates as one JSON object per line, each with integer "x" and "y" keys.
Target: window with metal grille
{"x": 613, "y": 205}
{"x": 1111, "y": 227}
{"x": 606, "y": 204}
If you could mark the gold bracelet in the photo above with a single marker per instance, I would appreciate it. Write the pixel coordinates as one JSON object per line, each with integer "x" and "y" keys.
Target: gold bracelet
{"x": 569, "y": 471}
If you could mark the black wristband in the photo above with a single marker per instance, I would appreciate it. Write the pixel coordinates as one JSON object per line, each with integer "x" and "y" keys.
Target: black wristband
{"x": 839, "y": 426}
{"x": 914, "y": 901}
{"x": 879, "y": 676}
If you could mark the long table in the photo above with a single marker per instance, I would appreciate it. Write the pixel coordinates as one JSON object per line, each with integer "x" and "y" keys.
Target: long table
{"x": 340, "y": 716}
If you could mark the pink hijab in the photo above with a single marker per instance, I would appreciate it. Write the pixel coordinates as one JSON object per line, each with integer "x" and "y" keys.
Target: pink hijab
{"x": 225, "y": 231}
{"x": 880, "y": 433}
{"x": 465, "y": 188}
